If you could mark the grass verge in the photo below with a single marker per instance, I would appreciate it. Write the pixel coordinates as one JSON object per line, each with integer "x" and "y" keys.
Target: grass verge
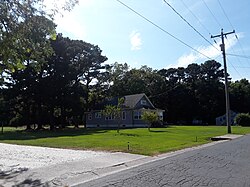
{"x": 141, "y": 141}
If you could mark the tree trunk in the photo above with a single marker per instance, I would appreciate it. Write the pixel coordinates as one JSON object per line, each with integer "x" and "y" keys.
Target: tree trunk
{"x": 38, "y": 116}
{"x": 118, "y": 129}
{"x": 51, "y": 120}
{"x": 149, "y": 125}
{"x": 28, "y": 127}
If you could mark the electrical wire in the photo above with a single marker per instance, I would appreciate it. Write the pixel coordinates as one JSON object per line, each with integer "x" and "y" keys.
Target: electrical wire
{"x": 243, "y": 51}
{"x": 241, "y": 56}
{"x": 239, "y": 61}
{"x": 242, "y": 67}
{"x": 162, "y": 29}
{"x": 221, "y": 27}
{"x": 196, "y": 31}
{"x": 188, "y": 23}
{"x": 196, "y": 18}
{"x": 225, "y": 14}
{"x": 212, "y": 14}
{"x": 235, "y": 69}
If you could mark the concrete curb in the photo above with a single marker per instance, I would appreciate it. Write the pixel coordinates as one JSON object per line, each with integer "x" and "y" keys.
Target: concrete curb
{"x": 78, "y": 172}
{"x": 127, "y": 165}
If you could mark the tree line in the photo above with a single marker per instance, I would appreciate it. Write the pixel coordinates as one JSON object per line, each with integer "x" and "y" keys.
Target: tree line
{"x": 48, "y": 79}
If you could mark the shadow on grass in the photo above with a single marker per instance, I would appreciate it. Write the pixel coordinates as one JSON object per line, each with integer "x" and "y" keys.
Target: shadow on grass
{"x": 29, "y": 135}
{"x": 128, "y": 134}
{"x": 157, "y": 131}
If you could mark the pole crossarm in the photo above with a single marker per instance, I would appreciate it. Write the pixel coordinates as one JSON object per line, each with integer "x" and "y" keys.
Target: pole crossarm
{"x": 224, "y": 34}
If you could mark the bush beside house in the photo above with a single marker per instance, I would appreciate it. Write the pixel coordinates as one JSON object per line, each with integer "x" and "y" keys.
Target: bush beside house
{"x": 243, "y": 119}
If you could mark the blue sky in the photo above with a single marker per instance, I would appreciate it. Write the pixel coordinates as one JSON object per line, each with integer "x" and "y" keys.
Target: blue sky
{"x": 125, "y": 37}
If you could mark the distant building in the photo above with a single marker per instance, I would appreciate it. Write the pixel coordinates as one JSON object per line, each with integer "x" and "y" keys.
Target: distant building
{"x": 221, "y": 120}
{"x": 132, "y": 109}
{"x": 197, "y": 122}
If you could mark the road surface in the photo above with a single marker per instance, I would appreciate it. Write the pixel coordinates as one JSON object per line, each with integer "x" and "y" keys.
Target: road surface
{"x": 224, "y": 164}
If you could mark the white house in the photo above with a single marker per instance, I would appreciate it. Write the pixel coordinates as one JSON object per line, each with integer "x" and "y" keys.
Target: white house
{"x": 221, "y": 120}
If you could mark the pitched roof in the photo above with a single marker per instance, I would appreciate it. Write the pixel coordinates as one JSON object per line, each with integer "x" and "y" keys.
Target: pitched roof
{"x": 130, "y": 101}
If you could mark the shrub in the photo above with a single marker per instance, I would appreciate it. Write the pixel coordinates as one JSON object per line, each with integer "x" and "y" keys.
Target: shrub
{"x": 149, "y": 117}
{"x": 243, "y": 119}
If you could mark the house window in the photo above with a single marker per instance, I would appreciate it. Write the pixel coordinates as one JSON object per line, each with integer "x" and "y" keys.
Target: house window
{"x": 143, "y": 102}
{"x": 110, "y": 117}
{"x": 160, "y": 115}
{"x": 90, "y": 116}
{"x": 98, "y": 115}
{"x": 137, "y": 114}
{"x": 123, "y": 115}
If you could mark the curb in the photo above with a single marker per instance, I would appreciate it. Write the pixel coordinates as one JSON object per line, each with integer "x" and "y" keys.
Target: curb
{"x": 102, "y": 172}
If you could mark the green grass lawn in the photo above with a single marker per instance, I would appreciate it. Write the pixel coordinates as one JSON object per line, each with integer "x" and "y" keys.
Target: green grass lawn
{"x": 141, "y": 141}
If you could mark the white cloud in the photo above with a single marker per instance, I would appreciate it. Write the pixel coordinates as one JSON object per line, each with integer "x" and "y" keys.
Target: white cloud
{"x": 70, "y": 25}
{"x": 69, "y": 22}
{"x": 135, "y": 40}
{"x": 209, "y": 51}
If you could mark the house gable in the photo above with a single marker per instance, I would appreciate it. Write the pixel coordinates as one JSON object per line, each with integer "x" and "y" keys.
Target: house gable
{"x": 144, "y": 102}
{"x": 131, "y": 112}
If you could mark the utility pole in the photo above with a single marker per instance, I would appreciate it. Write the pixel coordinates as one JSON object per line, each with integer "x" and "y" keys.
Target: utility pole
{"x": 228, "y": 121}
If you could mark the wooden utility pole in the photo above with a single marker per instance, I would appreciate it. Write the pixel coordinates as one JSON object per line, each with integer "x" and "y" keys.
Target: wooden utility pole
{"x": 228, "y": 121}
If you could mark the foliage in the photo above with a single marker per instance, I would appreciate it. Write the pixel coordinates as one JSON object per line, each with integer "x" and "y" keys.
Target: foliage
{"x": 184, "y": 93}
{"x": 159, "y": 140}
{"x": 48, "y": 79}
{"x": 57, "y": 92}
{"x": 114, "y": 111}
{"x": 243, "y": 119}
{"x": 150, "y": 117}
{"x": 240, "y": 95}
{"x": 25, "y": 29}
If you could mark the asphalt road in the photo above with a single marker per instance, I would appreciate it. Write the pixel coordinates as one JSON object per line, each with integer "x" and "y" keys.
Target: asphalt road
{"x": 224, "y": 164}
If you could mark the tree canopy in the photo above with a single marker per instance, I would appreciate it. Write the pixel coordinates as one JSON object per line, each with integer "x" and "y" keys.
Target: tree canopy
{"x": 48, "y": 79}
{"x": 25, "y": 29}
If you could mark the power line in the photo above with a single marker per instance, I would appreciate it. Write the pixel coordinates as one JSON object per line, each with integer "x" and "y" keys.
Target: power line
{"x": 241, "y": 56}
{"x": 242, "y": 67}
{"x": 197, "y": 31}
{"x": 243, "y": 51}
{"x": 189, "y": 23}
{"x": 156, "y": 95}
{"x": 205, "y": 29}
{"x": 234, "y": 68}
{"x": 237, "y": 60}
{"x": 221, "y": 26}
{"x": 225, "y": 14}
{"x": 212, "y": 14}
{"x": 163, "y": 30}
{"x": 196, "y": 18}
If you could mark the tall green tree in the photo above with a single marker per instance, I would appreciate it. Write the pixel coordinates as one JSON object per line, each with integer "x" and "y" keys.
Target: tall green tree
{"x": 114, "y": 111}
{"x": 195, "y": 92}
{"x": 149, "y": 117}
{"x": 72, "y": 75}
{"x": 25, "y": 28}
{"x": 240, "y": 96}
{"x": 134, "y": 81}
{"x": 57, "y": 89}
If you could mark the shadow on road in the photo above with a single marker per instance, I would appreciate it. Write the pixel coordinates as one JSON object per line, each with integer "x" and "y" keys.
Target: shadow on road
{"x": 10, "y": 177}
